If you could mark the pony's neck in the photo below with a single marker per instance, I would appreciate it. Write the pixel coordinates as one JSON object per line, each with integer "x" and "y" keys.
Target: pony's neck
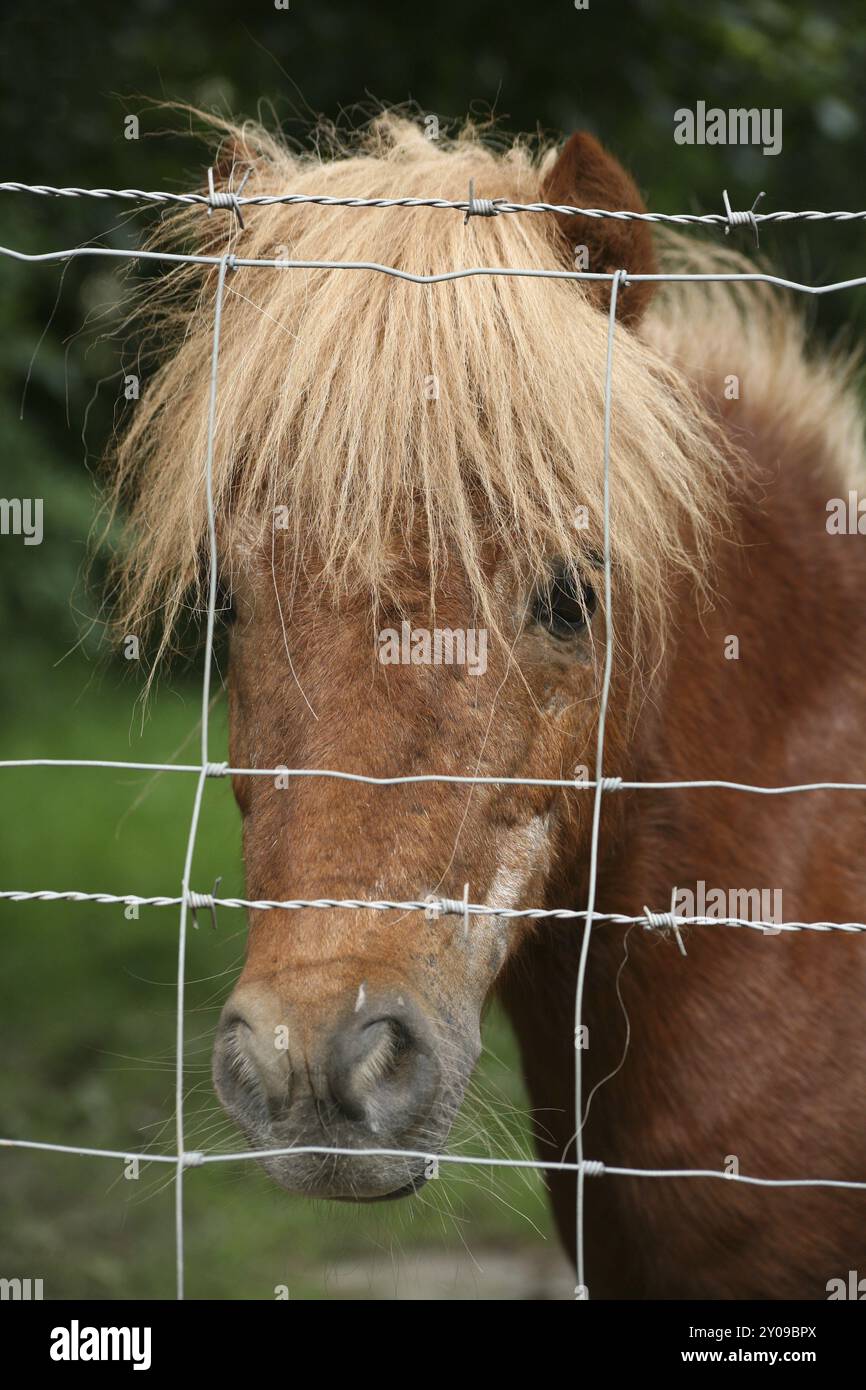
{"x": 766, "y": 687}
{"x": 786, "y": 709}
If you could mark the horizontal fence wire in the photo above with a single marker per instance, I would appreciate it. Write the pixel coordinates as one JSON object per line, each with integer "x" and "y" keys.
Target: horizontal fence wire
{"x": 226, "y": 199}
{"x": 245, "y": 262}
{"x": 189, "y": 901}
{"x": 569, "y": 783}
{"x": 590, "y": 1166}
{"x": 432, "y": 907}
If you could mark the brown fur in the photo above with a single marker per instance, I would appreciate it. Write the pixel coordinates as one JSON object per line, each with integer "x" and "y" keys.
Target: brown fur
{"x": 752, "y": 1045}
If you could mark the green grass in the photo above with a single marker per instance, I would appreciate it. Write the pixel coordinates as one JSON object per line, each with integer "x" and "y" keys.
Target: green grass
{"x": 88, "y": 1045}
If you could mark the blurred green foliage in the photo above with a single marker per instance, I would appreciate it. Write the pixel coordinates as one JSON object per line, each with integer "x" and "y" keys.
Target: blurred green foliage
{"x": 88, "y": 1012}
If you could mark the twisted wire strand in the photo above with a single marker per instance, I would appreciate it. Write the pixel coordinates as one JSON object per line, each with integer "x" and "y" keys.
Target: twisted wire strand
{"x": 432, "y": 908}
{"x": 472, "y": 206}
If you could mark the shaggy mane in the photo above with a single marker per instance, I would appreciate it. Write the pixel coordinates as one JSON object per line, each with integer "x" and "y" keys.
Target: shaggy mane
{"x": 326, "y": 377}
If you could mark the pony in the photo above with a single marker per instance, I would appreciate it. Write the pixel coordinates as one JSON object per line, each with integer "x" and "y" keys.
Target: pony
{"x": 393, "y": 459}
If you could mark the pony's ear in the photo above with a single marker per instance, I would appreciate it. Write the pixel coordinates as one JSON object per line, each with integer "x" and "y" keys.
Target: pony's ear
{"x": 585, "y": 175}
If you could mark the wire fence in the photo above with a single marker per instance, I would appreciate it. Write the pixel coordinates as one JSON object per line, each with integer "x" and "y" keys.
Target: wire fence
{"x": 189, "y": 901}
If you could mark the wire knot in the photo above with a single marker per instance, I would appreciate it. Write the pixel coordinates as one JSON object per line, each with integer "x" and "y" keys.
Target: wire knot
{"x": 592, "y": 1167}
{"x": 741, "y": 219}
{"x": 215, "y": 769}
{"x": 443, "y": 907}
{"x": 197, "y": 900}
{"x": 200, "y": 900}
{"x": 610, "y": 784}
{"x": 193, "y": 1159}
{"x": 449, "y": 907}
{"x": 664, "y": 921}
{"x": 479, "y": 207}
{"x": 225, "y": 198}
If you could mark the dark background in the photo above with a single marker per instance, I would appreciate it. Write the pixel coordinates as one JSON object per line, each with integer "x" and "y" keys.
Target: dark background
{"x": 88, "y": 997}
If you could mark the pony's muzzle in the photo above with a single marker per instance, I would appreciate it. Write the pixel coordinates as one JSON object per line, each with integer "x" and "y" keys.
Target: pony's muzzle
{"x": 368, "y": 1078}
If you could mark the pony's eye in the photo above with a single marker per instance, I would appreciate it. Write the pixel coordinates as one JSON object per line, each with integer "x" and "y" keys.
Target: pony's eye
{"x": 564, "y": 605}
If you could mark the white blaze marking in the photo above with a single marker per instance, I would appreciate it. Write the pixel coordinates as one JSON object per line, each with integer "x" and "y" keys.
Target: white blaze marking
{"x": 524, "y": 850}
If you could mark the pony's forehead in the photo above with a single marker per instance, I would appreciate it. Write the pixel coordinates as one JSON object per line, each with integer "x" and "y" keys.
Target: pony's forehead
{"x": 409, "y": 578}
{"x": 369, "y": 410}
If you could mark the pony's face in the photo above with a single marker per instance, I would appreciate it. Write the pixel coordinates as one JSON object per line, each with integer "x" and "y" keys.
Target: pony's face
{"x": 354, "y": 1028}
{"x": 358, "y": 1028}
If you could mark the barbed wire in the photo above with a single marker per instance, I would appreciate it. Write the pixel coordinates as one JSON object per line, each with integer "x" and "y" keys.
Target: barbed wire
{"x": 433, "y": 908}
{"x": 227, "y": 199}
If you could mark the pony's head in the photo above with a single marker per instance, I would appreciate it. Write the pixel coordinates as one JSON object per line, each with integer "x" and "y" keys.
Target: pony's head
{"x": 408, "y": 485}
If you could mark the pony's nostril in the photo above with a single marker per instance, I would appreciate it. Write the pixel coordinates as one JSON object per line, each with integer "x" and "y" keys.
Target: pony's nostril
{"x": 382, "y": 1073}
{"x": 253, "y": 1087}
{"x": 362, "y": 1059}
{"x": 389, "y": 1045}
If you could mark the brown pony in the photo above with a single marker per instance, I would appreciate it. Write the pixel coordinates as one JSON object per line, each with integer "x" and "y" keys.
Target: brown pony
{"x": 394, "y": 460}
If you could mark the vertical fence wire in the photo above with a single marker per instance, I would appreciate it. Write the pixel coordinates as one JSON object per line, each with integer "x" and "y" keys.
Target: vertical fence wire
{"x": 581, "y": 1290}
{"x": 202, "y": 776}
